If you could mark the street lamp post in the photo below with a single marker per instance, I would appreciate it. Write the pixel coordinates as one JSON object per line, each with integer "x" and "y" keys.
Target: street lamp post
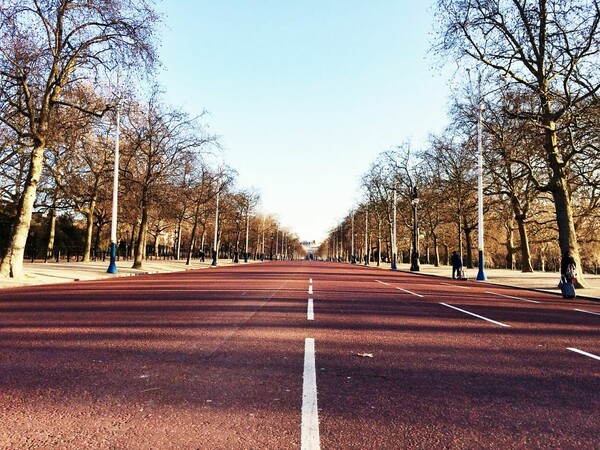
{"x": 366, "y": 236}
{"x": 215, "y": 250}
{"x": 341, "y": 257}
{"x": 414, "y": 259}
{"x": 394, "y": 243}
{"x": 247, "y": 230}
{"x": 112, "y": 267}
{"x": 481, "y": 273}
{"x": 262, "y": 256}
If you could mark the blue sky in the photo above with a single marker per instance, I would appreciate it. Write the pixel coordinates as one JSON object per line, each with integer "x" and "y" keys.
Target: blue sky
{"x": 304, "y": 93}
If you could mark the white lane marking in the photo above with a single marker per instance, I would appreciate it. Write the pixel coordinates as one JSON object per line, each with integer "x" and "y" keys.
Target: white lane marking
{"x": 588, "y": 312}
{"x": 310, "y": 314}
{"x": 382, "y": 282}
{"x": 514, "y": 298}
{"x": 456, "y": 285}
{"x": 475, "y": 315}
{"x": 310, "y": 413}
{"x": 310, "y": 290}
{"x": 581, "y": 352}
{"x": 408, "y": 292}
{"x": 310, "y": 281}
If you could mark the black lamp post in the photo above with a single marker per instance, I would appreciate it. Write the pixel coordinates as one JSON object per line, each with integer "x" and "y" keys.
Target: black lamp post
{"x": 414, "y": 259}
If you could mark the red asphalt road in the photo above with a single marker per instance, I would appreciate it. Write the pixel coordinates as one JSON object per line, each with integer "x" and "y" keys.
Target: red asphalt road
{"x": 214, "y": 359}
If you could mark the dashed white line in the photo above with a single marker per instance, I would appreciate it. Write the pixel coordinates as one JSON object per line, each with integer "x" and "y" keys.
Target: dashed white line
{"x": 310, "y": 289}
{"x": 475, "y": 315}
{"x": 408, "y": 292}
{"x": 588, "y": 312}
{"x": 382, "y": 282}
{"x": 514, "y": 298}
{"x": 310, "y": 314}
{"x": 581, "y": 352}
{"x": 310, "y": 439}
{"x": 456, "y": 285}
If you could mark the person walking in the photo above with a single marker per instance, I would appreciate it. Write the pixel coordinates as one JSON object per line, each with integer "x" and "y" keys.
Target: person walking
{"x": 568, "y": 274}
{"x": 456, "y": 263}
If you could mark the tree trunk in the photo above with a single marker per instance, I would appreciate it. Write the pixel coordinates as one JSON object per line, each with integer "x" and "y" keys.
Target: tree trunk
{"x": 436, "y": 251}
{"x": 446, "y": 254}
{"x": 179, "y": 241}
{"x": 99, "y": 226}
{"x": 468, "y": 247}
{"x": 51, "y": 233}
{"x": 567, "y": 237}
{"x": 379, "y": 243}
{"x": 89, "y": 231}
{"x": 510, "y": 246}
{"x": 12, "y": 261}
{"x": 141, "y": 240}
{"x": 520, "y": 216}
{"x": 460, "y": 239}
{"x": 193, "y": 238}
{"x": 526, "y": 262}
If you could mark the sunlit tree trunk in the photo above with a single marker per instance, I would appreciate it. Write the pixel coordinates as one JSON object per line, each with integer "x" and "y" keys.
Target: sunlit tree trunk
{"x": 140, "y": 244}
{"x": 51, "y": 233}
{"x": 12, "y": 261}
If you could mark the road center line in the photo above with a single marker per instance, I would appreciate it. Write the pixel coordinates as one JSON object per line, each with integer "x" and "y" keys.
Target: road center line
{"x": 581, "y": 352}
{"x": 310, "y": 315}
{"x": 588, "y": 312}
{"x": 382, "y": 282}
{"x": 310, "y": 439}
{"x": 310, "y": 289}
{"x": 514, "y": 298}
{"x": 475, "y": 315}
{"x": 408, "y": 292}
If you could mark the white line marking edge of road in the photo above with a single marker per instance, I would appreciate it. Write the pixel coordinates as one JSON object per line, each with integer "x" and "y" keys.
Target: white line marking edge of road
{"x": 456, "y": 285}
{"x": 510, "y": 296}
{"x": 409, "y": 292}
{"x": 581, "y": 352}
{"x": 588, "y": 312}
{"x": 475, "y": 315}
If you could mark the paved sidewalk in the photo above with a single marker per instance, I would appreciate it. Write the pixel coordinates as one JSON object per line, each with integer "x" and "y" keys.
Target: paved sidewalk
{"x": 51, "y": 272}
{"x": 543, "y": 281}
{"x": 39, "y": 273}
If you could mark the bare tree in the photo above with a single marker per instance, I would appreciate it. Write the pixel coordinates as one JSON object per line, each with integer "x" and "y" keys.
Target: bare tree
{"x": 161, "y": 142}
{"x": 46, "y": 46}
{"x": 546, "y": 48}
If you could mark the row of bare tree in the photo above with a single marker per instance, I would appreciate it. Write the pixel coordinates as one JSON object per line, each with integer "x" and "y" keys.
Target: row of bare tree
{"x": 532, "y": 70}
{"x": 60, "y": 96}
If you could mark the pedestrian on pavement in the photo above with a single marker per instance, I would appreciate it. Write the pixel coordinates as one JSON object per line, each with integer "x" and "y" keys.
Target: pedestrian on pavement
{"x": 456, "y": 263}
{"x": 568, "y": 267}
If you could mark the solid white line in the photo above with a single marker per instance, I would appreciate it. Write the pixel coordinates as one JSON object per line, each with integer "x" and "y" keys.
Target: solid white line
{"x": 475, "y": 315}
{"x": 510, "y": 296}
{"x": 456, "y": 285}
{"x": 408, "y": 292}
{"x": 382, "y": 282}
{"x": 310, "y": 290}
{"x": 589, "y": 312}
{"x": 310, "y": 314}
{"x": 310, "y": 413}
{"x": 581, "y": 352}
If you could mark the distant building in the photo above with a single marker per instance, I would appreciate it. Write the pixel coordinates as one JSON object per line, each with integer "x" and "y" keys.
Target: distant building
{"x": 311, "y": 248}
